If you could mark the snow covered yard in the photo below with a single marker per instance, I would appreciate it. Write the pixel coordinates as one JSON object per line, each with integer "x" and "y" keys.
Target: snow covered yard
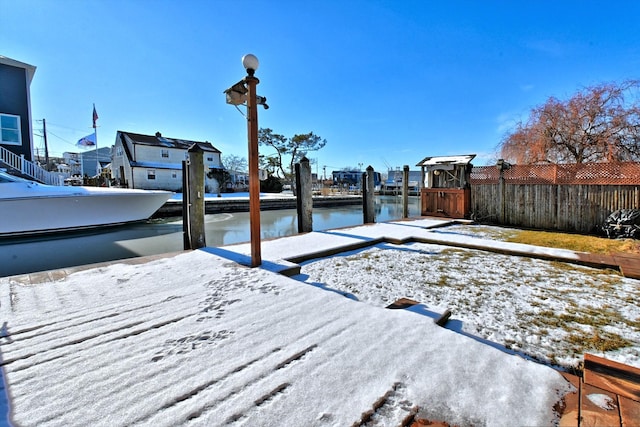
{"x": 551, "y": 311}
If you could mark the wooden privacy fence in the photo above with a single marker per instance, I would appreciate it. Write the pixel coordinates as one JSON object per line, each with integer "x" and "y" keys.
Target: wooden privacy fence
{"x": 554, "y": 197}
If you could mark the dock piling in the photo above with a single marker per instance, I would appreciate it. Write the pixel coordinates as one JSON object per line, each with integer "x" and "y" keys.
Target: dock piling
{"x": 193, "y": 199}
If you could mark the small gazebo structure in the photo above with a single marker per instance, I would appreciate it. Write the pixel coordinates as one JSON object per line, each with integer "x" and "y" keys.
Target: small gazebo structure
{"x": 446, "y": 188}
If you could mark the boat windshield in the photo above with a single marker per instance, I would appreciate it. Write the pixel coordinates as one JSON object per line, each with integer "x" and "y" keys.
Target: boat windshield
{"x": 6, "y": 177}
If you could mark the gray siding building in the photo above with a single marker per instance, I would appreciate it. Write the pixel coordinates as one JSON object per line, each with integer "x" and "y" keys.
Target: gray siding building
{"x": 15, "y": 107}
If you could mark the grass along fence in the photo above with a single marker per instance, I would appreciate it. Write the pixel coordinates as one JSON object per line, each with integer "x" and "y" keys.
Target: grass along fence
{"x": 554, "y": 197}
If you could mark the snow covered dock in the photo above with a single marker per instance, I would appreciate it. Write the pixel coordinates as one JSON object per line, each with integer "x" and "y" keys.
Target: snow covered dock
{"x": 199, "y": 339}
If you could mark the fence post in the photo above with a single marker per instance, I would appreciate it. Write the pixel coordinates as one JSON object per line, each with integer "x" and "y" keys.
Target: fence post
{"x": 502, "y": 190}
{"x": 304, "y": 197}
{"x": 405, "y": 191}
{"x": 368, "y": 206}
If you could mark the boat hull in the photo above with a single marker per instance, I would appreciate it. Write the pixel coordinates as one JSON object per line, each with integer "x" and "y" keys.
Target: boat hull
{"x": 30, "y": 208}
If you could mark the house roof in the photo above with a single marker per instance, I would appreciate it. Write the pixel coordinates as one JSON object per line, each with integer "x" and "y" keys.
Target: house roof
{"x": 31, "y": 69}
{"x": 157, "y": 165}
{"x": 446, "y": 160}
{"x": 162, "y": 141}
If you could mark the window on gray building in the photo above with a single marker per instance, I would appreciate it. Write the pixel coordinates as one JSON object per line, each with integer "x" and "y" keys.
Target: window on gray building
{"x": 10, "y": 129}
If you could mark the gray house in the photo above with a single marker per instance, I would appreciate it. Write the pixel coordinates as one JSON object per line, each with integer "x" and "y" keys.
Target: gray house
{"x": 154, "y": 162}
{"x": 85, "y": 163}
{"x": 15, "y": 107}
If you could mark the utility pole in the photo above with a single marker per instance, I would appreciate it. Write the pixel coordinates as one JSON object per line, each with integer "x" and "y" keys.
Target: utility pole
{"x": 46, "y": 147}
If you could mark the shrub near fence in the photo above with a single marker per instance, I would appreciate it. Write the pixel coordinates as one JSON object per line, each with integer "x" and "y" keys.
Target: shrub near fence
{"x": 554, "y": 197}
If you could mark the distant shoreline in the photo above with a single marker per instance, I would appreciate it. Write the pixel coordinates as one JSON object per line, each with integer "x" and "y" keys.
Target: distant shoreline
{"x": 213, "y": 205}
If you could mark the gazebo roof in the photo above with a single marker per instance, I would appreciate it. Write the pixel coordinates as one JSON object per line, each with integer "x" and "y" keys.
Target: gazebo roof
{"x": 447, "y": 160}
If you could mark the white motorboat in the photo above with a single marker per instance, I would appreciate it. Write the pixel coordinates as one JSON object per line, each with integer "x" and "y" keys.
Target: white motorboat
{"x": 27, "y": 207}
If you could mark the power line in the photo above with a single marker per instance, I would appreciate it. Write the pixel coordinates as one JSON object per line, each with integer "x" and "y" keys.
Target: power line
{"x": 62, "y": 126}
{"x": 60, "y": 138}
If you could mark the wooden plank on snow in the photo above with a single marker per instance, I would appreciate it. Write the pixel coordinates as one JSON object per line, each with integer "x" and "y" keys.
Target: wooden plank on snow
{"x": 402, "y": 303}
{"x": 569, "y": 408}
{"x": 598, "y": 407}
{"x": 610, "y": 375}
{"x": 629, "y": 412}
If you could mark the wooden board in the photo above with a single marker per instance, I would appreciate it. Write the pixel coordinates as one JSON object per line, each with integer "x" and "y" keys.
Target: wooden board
{"x": 569, "y": 409}
{"x": 603, "y": 413}
{"x": 402, "y": 303}
{"x": 614, "y": 376}
{"x": 629, "y": 412}
{"x": 629, "y": 265}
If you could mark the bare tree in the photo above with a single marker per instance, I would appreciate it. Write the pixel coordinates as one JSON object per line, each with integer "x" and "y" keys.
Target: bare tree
{"x": 598, "y": 124}
{"x": 235, "y": 163}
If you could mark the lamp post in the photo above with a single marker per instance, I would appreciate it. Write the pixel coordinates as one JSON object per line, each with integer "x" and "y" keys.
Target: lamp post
{"x": 250, "y": 63}
{"x": 244, "y": 92}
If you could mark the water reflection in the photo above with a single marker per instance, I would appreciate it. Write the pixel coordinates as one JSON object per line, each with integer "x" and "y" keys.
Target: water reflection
{"x": 18, "y": 256}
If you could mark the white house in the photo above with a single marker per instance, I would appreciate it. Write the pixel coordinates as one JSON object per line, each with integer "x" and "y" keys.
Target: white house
{"x": 238, "y": 181}
{"x": 154, "y": 162}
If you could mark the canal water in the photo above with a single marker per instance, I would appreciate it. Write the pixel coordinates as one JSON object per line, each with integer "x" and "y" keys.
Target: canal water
{"x": 19, "y": 256}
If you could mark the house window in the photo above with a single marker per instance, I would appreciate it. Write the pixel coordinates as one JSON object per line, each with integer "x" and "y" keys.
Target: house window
{"x": 174, "y": 174}
{"x": 151, "y": 174}
{"x": 10, "y": 129}
{"x": 209, "y": 159}
{"x": 165, "y": 153}
{"x": 119, "y": 151}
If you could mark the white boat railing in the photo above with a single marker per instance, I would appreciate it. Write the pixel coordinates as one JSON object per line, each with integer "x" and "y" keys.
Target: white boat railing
{"x": 28, "y": 168}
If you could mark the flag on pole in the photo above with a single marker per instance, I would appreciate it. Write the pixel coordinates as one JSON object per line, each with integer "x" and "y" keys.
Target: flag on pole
{"x": 87, "y": 141}
{"x": 95, "y": 116}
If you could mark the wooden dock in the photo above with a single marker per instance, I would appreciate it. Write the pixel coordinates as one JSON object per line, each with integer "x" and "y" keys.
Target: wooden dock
{"x": 86, "y": 345}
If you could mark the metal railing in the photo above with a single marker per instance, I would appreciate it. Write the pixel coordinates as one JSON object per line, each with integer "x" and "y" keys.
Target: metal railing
{"x": 30, "y": 169}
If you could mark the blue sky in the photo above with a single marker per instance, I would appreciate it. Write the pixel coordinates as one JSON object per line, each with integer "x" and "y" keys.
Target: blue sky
{"x": 386, "y": 83}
